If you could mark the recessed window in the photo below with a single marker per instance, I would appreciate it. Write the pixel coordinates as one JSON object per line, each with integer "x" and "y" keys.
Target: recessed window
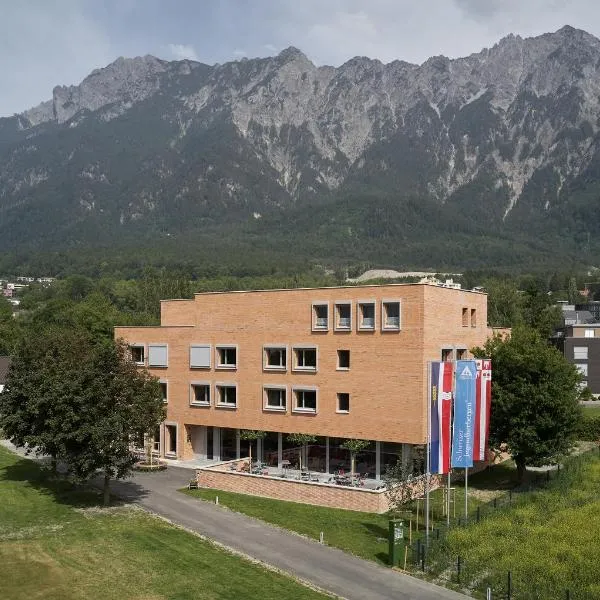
{"x": 343, "y": 359}
{"x": 137, "y": 354}
{"x": 390, "y": 315}
{"x": 583, "y": 369}
{"x": 171, "y": 440}
{"x": 163, "y": 391}
{"x": 320, "y": 318}
{"x": 461, "y": 353}
{"x": 343, "y": 403}
{"x": 366, "y": 315}
{"x": 200, "y": 356}
{"x": 226, "y": 357}
{"x": 158, "y": 355}
{"x": 589, "y": 333}
{"x": 275, "y": 358}
{"x": 580, "y": 352}
{"x": 343, "y": 316}
{"x": 473, "y": 317}
{"x": 200, "y": 394}
{"x": 227, "y": 395}
{"x": 465, "y": 317}
{"x": 275, "y": 398}
{"x": 305, "y": 400}
{"x": 447, "y": 354}
{"x": 305, "y": 359}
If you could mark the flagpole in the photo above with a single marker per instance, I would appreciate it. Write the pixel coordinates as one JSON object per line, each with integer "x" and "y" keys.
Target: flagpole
{"x": 448, "y": 501}
{"x": 466, "y": 494}
{"x": 428, "y": 459}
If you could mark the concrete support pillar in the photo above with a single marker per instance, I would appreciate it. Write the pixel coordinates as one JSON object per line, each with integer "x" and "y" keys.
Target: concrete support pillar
{"x": 327, "y": 455}
{"x": 377, "y": 460}
{"x": 237, "y": 443}
{"x": 279, "y": 450}
{"x": 259, "y": 451}
{"x": 216, "y": 443}
{"x": 407, "y": 456}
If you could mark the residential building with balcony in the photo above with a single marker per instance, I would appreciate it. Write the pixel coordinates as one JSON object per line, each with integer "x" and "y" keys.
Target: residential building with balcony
{"x": 336, "y": 363}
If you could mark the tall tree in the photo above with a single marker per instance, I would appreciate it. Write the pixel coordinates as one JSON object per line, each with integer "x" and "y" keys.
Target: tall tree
{"x": 535, "y": 391}
{"x": 80, "y": 401}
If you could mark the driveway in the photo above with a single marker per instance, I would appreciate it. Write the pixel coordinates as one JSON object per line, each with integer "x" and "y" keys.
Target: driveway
{"x": 327, "y": 568}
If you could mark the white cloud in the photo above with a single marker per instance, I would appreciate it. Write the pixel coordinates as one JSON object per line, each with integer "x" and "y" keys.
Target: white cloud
{"x": 182, "y": 51}
{"x": 239, "y": 53}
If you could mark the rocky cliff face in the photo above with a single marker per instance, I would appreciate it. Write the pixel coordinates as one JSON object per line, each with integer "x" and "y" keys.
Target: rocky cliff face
{"x": 508, "y": 135}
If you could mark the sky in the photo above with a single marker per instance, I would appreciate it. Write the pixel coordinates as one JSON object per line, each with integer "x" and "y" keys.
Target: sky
{"x": 44, "y": 43}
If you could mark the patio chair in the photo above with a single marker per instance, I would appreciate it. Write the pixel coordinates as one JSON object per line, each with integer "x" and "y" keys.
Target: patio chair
{"x": 193, "y": 484}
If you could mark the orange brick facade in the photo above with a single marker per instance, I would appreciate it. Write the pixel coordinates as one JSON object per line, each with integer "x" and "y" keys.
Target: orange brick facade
{"x": 386, "y": 380}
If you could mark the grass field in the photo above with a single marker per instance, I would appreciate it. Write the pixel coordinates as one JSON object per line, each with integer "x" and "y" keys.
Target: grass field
{"x": 55, "y": 544}
{"x": 550, "y": 541}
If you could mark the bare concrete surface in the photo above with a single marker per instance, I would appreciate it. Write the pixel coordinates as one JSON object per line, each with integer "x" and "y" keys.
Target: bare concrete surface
{"x": 326, "y": 568}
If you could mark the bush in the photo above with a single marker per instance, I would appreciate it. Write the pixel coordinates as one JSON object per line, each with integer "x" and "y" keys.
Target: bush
{"x": 589, "y": 429}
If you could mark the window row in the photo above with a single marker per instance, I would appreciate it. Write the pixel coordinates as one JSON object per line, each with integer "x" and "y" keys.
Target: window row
{"x": 366, "y": 315}
{"x": 275, "y": 397}
{"x": 275, "y": 357}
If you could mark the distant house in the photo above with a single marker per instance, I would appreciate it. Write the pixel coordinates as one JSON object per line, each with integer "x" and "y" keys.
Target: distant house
{"x": 4, "y": 364}
{"x": 579, "y": 341}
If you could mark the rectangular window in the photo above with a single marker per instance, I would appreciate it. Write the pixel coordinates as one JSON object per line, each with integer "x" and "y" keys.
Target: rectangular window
{"x": 390, "y": 315}
{"x": 158, "y": 355}
{"x": 343, "y": 316}
{"x": 343, "y": 403}
{"x": 275, "y": 358}
{"x": 343, "y": 360}
{"x": 461, "y": 353}
{"x": 589, "y": 333}
{"x": 447, "y": 354}
{"x": 275, "y": 398}
{"x": 473, "y": 317}
{"x": 200, "y": 356}
{"x": 163, "y": 391}
{"x": 200, "y": 394}
{"x": 580, "y": 352}
{"x": 366, "y": 315}
{"x": 226, "y": 395}
{"x": 583, "y": 369}
{"x": 226, "y": 357}
{"x": 465, "y": 317}
{"x": 305, "y": 400}
{"x": 305, "y": 359}
{"x": 137, "y": 354}
{"x": 320, "y": 316}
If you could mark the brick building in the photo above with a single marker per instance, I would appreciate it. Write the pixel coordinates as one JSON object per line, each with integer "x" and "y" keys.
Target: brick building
{"x": 337, "y": 363}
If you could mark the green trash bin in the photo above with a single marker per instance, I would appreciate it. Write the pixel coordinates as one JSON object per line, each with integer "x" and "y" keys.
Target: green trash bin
{"x": 396, "y": 540}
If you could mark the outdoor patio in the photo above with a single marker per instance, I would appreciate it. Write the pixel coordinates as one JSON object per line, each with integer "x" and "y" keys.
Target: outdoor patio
{"x": 337, "y": 490}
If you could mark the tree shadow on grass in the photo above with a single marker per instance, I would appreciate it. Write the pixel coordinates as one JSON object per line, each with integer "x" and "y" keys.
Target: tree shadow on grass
{"x": 38, "y": 475}
{"x": 377, "y": 530}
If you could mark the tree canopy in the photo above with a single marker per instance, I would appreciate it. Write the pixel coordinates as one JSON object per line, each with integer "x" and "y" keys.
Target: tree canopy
{"x": 535, "y": 398}
{"x": 80, "y": 401}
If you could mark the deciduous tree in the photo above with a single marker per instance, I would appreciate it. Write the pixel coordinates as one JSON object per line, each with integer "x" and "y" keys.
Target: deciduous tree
{"x": 535, "y": 398}
{"x": 80, "y": 401}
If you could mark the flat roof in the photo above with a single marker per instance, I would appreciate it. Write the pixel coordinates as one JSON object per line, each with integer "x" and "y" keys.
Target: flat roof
{"x": 331, "y": 287}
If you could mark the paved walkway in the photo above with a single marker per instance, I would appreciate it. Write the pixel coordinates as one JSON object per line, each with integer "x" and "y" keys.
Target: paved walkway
{"x": 327, "y": 568}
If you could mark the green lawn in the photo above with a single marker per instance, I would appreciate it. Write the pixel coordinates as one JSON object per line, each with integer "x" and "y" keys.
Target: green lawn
{"x": 55, "y": 544}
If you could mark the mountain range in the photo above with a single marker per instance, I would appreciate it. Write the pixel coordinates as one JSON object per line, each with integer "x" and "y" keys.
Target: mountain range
{"x": 487, "y": 160}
